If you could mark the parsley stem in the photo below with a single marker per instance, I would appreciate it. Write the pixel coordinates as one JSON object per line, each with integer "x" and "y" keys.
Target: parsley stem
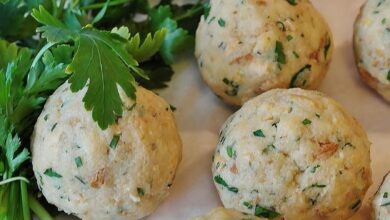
{"x": 13, "y": 197}
{"x": 40, "y": 54}
{"x": 14, "y": 179}
{"x": 38, "y": 209}
{"x": 54, "y": 5}
{"x": 101, "y": 5}
{"x": 193, "y": 11}
{"x": 25, "y": 206}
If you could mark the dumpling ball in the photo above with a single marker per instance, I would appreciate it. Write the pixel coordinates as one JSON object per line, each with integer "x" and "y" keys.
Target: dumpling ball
{"x": 123, "y": 172}
{"x": 381, "y": 201}
{"x": 247, "y": 47}
{"x": 372, "y": 45}
{"x": 227, "y": 214}
{"x": 295, "y": 154}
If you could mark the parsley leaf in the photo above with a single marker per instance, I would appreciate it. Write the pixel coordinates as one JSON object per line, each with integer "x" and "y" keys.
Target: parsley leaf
{"x": 15, "y": 21}
{"x": 149, "y": 47}
{"x": 102, "y": 61}
{"x": 105, "y": 64}
{"x": 176, "y": 39}
{"x": 158, "y": 71}
{"x": 14, "y": 160}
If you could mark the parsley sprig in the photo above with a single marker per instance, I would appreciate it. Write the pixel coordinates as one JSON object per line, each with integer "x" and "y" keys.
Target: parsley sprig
{"x": 101, "y": 61}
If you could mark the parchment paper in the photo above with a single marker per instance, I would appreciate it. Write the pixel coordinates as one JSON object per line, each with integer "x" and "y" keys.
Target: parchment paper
{"x": 200, "y": 115}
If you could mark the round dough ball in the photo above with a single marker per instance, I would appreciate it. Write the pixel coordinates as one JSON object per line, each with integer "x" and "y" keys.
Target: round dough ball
{"x": 294, "y": 153}
{"x": 227, "y": 214}
{"x": 247, "y": 47}
{"x": 381, "y": 201}
{"x": 372, "y": 45}
{"x": 123, "y": 172}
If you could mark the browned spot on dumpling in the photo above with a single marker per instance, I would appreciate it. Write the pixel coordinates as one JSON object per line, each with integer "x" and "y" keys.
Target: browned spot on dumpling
{"x": 248, "y": 57}
{"x": 234, "y": 169}
{"x": 261, "y": 2}
{"x": 314, "y": 55}
{"x": 98, "y": 179}
{"x": 326, "y": 150}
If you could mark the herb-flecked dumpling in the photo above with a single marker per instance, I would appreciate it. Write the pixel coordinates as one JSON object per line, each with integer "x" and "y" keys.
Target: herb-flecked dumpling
{"x": 295, "y": 154}
{"x": 227, "y": 214}
{"x": 247, "y": 47}
{"x": 381, "y": 201}
{"x": 123, "y": 172}
{"x": 372, "y": 45}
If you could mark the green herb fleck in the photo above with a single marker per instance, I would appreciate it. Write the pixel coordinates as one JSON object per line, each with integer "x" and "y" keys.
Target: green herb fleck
{"x": 51, "y": 173}
{"x": 279, "y": 51}
{"x": 221, "y": 22}
{"x": 230, "y": 151}
{"x": 233, "y": 87}
{"x": 258, "y": 133}
{"x": 53, "y": 127}
{"x": 347, "y": 145}
{"x": 314, "y": 169}
{"x": 385, "y": 195}
{"x": 248, "y": 205}
{"x": 140, "y": 191}
{"x": 383, "y": 21}
{"x": 292, "y": 2}
{"x": 314, "y": 200}
{"x": 318, "y": 115}
{"x": 46, "y": 117}
{"x": 327, "y": 46}
{"x": 281, "y": 26}
{"x": 218, "y": 179}
{"x": 315, "y": 185}
{"x": 269, "y": 148}
{"x": 306, "y": 121}
{"x": 289, "y": 37}
{"x": 388, "y": 75}
{"x": 173, "y": 108}
{"x": 298, "y": 79}
{"x": 78, "y": 162}
{"x": 132, "y": 107}
{"x": 269, "y": 213}
{"x": 356, "y": 205}
{"x": 114, "y": 141}
{"x": 80, "y": 179}
{"x": 386, "y": 204}
{"x": 211, "y": 20}
{"x": 296, "y": 55}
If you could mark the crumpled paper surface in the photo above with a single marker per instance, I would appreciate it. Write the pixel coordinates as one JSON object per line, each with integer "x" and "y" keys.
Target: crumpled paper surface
{"x": 200, "y": 115}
